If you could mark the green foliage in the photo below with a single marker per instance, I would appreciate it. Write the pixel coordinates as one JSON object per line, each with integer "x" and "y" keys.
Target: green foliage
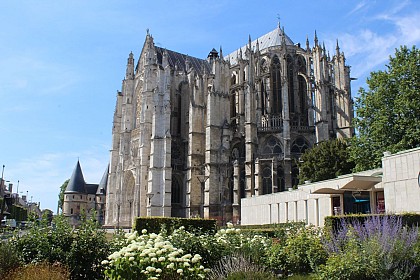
{"x": 387, "y": 114}
{"x": 9, "y": 259}
{"x": 327, "y": 160}
{"x": 333, "y": 223}
{"x": 299, "y": 251}
{"x": 18, "y": 212}
{"x": 88, "y": 249}
{"x": 81, "y": 251}
{"x": 61, "y": 194}
{"x": 379, "y": 248}
{"x": 155, "y": 224}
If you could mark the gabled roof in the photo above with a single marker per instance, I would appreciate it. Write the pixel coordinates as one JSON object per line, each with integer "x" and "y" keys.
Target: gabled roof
{"x": 76, "y": 183}
{"x": 104, "y": 181}
{"x": 271, "y": 39}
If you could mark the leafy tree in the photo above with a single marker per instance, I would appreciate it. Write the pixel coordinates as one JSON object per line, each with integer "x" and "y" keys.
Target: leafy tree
{"x": 326, "y": 160}
{"x": 388, "y": 113}
{"x": 61, "y": 194}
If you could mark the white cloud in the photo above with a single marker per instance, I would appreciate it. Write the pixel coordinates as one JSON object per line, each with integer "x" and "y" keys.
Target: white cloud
{"x": 358, "y": 7}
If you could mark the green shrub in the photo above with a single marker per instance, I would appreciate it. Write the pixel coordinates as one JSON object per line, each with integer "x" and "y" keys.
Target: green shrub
{"x": 299, "y": 251}
{"x": 81, "y": 251}
{"x": 379, "y": 248}
{"x": 152, "y": 256}
{"x": 155, "y": 224}
{"x": 9, "y": 259}
{"x": 334, "y": 223}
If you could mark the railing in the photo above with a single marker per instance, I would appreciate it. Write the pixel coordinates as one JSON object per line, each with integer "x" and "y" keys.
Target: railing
{"x": 270, "y": 123}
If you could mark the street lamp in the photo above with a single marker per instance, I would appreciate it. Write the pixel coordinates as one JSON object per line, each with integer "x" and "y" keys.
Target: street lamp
{"x": 202, "y": 179}
{"x": 149, "y": 204}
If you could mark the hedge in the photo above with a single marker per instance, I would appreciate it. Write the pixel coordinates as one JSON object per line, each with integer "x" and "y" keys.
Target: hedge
{"x": 155, "y": 224}
{"x": 333, "y": 223}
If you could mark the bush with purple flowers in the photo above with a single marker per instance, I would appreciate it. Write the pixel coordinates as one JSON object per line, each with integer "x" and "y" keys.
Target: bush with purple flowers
{"x": 379, "y": 248}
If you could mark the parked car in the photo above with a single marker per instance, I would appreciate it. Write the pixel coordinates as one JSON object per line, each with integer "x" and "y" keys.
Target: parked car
{"x": 9, "y": 223}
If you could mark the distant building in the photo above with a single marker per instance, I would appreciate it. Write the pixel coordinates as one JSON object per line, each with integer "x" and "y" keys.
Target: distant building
{"x": 192, "y": 136}
{"x": 80, "y": 196}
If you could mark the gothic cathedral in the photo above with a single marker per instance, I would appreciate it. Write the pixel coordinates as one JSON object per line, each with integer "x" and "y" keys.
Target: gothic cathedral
{"x": 191, "y": 136}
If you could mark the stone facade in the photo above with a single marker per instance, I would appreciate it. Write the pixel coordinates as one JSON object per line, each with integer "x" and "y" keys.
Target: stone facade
{"x": 191, "y": 137}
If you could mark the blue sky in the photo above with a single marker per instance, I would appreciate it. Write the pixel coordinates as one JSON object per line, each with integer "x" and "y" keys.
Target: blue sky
{"x": 62, "y": 62}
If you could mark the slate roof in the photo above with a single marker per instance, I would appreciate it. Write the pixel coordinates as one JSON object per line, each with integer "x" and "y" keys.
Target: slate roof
{"x": 91, "y": 188}
{"x": 101, "y": 190}
{"x": 77, "y": 183}
{"x": 178, "y": 60}
{"x": 270, "y": 39}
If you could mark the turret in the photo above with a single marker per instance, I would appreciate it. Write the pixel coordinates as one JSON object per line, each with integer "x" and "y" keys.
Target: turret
{"x": 129, "y": 72}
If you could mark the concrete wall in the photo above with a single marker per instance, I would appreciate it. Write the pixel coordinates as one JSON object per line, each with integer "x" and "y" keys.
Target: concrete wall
{"x": 400, "y": 181}
{"x": 281, "y": 207}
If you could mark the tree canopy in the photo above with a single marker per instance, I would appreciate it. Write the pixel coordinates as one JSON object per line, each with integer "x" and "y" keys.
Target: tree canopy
{"x": 61, "y": 194}
{"x": 327, "y": 160}
{"x": 388, "y": 113}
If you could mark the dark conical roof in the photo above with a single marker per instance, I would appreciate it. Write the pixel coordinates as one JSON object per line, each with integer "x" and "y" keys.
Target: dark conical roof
{"x": 104, "y": 182}
{"x": 76, "y": 183}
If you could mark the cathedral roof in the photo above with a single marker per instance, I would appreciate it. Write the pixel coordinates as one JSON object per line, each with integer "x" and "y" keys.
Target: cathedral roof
{"x": 271, "y": 39}
{"x": 104, "y": 182}
{"x": 76, "y": 183}
{"x": 178, "y": 60}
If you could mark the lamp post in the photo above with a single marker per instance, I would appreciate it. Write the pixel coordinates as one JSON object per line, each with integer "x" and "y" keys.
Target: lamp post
{"x": 202, "y": 179}
{"x": 130, "y": 201}
{"x": 149, "y": 203}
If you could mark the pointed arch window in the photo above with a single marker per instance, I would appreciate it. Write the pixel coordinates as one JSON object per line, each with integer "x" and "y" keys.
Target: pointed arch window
{"x": 280, "y": 178}
{"x": 299, "y": 146}
{"x": 276, "y": 86}
{"x": 266, "y": 180}
{"x": 272, "y": 147}
{"x": 301, "y": 63}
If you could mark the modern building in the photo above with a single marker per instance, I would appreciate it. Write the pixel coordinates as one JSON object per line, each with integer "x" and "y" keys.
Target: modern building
{"x": 394, "y": 188}
{"x": 80, "y": 196}
{"x": 192, "y": 137}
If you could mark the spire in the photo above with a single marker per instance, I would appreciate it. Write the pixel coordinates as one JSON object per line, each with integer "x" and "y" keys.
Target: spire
{"x": 316, "y": 39}
{"x": 323, "y": 48}
{"x": 307, "y": 43}
{"x": 104, "y": 182}
{"x": 221, "y": 53}
{"x": 249, "y": 41}
{"x": 337, "y": 49}
{"x": 76, "y": 183}
{"x": 257, "y": 46}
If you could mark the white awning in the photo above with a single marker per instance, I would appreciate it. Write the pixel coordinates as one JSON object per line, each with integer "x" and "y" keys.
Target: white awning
{"x": 351, "y": 182}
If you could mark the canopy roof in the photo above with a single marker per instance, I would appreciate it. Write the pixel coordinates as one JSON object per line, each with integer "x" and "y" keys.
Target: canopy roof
{"x": 352, "y": 182}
